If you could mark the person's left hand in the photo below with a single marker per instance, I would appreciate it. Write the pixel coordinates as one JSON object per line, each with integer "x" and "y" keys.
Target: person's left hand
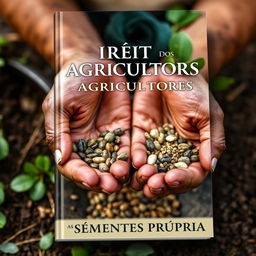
{"x": 189, "y": 112}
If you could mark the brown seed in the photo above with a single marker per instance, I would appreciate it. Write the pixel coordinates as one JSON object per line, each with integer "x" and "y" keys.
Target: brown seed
{"x": 98, "y": 159}
{"x": 124, "y": 206}
{"x": 109, "y": 147}
{"x": 116, "y": 147}
{"x": 109, "y": 137}
{"x": 122, "y": 156}
{"x": 135, "y": 202}
{"x": 73, "y": 197}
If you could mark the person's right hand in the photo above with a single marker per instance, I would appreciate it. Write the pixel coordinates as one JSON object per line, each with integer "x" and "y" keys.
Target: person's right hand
{"x": 83, "y": 115}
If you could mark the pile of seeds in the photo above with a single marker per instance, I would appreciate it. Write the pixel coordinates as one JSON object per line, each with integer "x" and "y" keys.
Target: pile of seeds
{"x": 130, "y": 204}
{"x": 101, "y": 152}
{"x": 167, "y": 150}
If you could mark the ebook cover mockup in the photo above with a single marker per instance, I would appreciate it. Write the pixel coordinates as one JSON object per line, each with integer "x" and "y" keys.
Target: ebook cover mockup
{"x": 130, "y": 95}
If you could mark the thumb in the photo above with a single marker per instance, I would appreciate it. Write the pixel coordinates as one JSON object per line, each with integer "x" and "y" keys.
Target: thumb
{"x": 57, "y": 131}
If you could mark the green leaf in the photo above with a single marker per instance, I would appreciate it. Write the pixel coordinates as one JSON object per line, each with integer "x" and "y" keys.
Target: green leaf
{"x": 52, "y": 176}
{"x": 170, "y": 59}
{"x": 30, "y": 169}
{"x": 2, "y": 62}
{"x": 46, "y": 241}
{"x": 22, "y": 183}
{"x": 37, "y": 192}
{"x": 80, "y": 251}
{"x": 139, "y": 249}
{"x": 174, "y": 16}
{"x": 180, "y": 44}
{"x": 2, "y": 220}
{"x": 4, "y": 148}
{"x": 43, "y": 163}
{"x": 3, "y": 41}
{"x": 189, "y": 18}
{"x": 221, "y": 83}
{"x": 10, "y": 248}
{"x": 2, "y": 195}
{"x": 200, "y": 64}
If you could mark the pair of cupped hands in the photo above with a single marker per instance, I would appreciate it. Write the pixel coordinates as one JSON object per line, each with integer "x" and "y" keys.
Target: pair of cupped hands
{"x": 84, "y": 114}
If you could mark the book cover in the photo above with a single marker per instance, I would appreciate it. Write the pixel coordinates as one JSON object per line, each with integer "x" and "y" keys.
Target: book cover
{"x": 132, "y": 112}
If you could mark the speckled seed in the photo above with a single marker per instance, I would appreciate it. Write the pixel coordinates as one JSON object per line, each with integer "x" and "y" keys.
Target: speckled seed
{"x": 187, "y": 153}
{"x": 88, "y": 160}
{"x": 108, "y": 163}
{"x": 161, "y": 138}
{"x": 103, "y": 167}
{"x": 170, "y": 138}
{"x": 109, "y": 137}
{"x": 91, "y": 141}
{"x": 117, "y": 140}
{"x": 98, "y": 159}
{"x": 183, "y": 146}
{"x": 150, "y": 145}
{"x": 103, "y": 134}
{"x": 147, "y": 135}
{"x": 180, "y": 165}
{"x": 184, "y": 159}
{"x": 154, "y": 133}
{"x": 102, "y": 144}
{"x": 94, "y": 146}
{"x": 166, "y": 159}
{"x": 98, "y": 151}
{"x": 122, "y": 156}
{"x": 75, "y": 149}
{"x": 162, "y": 169}
{"x": 195, "y": 151}
{"x": 91, "y": 155}
{"x": 152, "y": 159}
{"x": 81, "y": 154}
{"x": 89, "y": 150}
{"x": 109, "y": 147}
{"x": 105, "y": 154}
{"x": 181, "y": 140}
{"x": 94, "y": 165}
{"x": 157, "y": 145}
{"x": 194, "y": 158}
{"x": 81, "y": 145}
{"x": 119, "y": 131}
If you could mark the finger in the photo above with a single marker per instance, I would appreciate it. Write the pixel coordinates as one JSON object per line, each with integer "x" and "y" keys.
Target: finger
{"x": 57, "y": 130}
{"x": 120, "y": 169}
{"x": 77, "y": 171}
{"x": 139, "y": 155}
{"x": 134, "y": 183}
{"x": 145, "y": 172}
{"x": 156, "y": 184}
{"x": 182, "y": 180}
{"x": 148, "y": 193}
{"x": 217, "y": 132}
{"x": 108, "y": 183}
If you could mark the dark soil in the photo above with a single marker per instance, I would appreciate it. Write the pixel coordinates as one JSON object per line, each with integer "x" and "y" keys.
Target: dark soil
{"x": 233, "y": 181}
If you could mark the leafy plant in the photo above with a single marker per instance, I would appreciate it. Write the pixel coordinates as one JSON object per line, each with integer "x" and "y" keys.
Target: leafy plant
{"x": 180, "y": 17}
{"x": 10, "y": 248}
{"x": 46, "y": 241}
{"x": 221, "y": 83}
{"x": 139, "y": 249}
{"x": 2, "y": 197}
{"x": 180, "y": 43}
{"x": 33, "y": 178}
{"x": 4, "y": 146}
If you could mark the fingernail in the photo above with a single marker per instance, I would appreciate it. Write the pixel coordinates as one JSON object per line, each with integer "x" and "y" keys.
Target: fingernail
{"x": 175, "y": 184}
{"x": 142, "y": 179}
{"x": 214, "y": 163}
{"x": 86, "y": 185}
{"x": 104, "y": 191}
{"x": 157, "y": 190}
{"x": 57, "y": 156}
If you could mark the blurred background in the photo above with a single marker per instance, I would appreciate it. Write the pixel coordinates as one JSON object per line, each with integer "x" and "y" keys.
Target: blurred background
{"x": 26, "y": 220}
